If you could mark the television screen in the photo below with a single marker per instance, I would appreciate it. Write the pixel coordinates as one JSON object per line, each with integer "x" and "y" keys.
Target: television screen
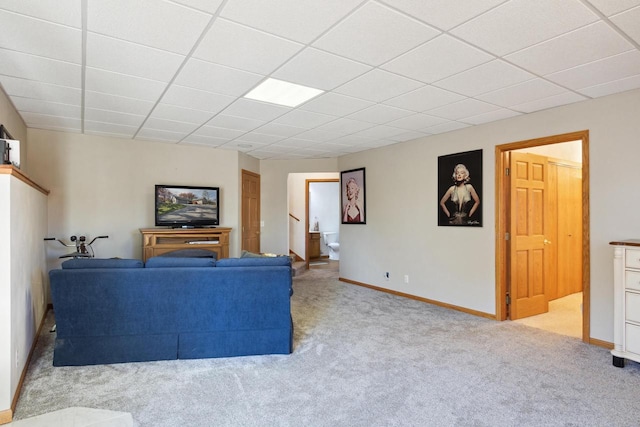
{"x": 187, "y": 206}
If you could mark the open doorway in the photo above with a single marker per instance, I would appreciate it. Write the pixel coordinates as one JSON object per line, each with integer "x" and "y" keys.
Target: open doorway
{"x": 530, "y": 239}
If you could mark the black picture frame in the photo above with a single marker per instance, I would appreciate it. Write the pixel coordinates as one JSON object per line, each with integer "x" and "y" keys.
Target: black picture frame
{"x": 353, "y": 196}
{"x": 467, "y": 213}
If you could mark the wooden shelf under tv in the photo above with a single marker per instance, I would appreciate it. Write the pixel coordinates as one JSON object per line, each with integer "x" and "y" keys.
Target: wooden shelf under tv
{"x": 158, "y": 241}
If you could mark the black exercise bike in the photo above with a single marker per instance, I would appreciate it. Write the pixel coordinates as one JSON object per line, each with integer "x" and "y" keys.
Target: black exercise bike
{"x": 83, "y": 249}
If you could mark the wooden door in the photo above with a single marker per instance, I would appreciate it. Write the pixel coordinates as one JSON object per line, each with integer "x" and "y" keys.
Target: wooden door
{"x": 528, "y": 270}
{"x": 569, "y": 229}
{"x": 250, "y": 211}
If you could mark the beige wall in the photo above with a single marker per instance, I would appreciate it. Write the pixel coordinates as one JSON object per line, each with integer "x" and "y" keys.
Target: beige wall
{"x": 457, "y": 265}
{"x": 102, "y": 185}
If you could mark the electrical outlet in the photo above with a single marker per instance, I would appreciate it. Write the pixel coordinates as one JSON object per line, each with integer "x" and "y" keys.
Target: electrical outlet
{"x": 406, "y": 278}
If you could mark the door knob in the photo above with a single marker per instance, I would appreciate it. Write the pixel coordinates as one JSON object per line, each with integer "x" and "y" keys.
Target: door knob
{"x": 547, "y": 242}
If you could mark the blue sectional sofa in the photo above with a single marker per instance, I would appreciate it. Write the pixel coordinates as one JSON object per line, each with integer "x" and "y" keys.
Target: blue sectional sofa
{"x": 118, "y": 310}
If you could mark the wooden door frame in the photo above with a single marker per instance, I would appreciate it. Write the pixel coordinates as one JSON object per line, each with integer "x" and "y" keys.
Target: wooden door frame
{"x": 306, "y": 213}
{"x": 502, "y": 222}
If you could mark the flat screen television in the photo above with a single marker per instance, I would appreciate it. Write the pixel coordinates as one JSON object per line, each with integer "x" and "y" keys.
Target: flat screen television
{"x": 187, "y": 206}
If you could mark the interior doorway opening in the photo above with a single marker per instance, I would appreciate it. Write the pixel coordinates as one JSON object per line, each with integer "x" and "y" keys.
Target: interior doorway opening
{"x": 528, "y": 278}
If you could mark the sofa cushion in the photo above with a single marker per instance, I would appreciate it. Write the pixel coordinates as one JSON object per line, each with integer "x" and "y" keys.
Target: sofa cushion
{"x": 191, "y": 253}
{"x": 254, "y": 262}
{"x": 160, "y": 261}
{"x": 77, "y": 263}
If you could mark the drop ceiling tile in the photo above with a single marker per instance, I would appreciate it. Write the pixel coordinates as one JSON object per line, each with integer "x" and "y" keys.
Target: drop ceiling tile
{"x": 14, "y": 86}
{"x": 122, "y": 84}
{"x": 169, "y": 125}
{"x": 299, "y": 20}
{"x": 605, "y": 70}
{"x": 587, "y": 44}
{"x": 158, "y": 24}
{"x": 105, "y": 101}
{"x": 376, "y": 34}
{"x": 525, "y": 22}
{"x": 44, "y": 121}
{"x": 259, "y": 138}
{"x": 446, "y": 127}
{"x": 424, "y": 98}
{"x": 46, "y": 107}
{"x": 550, "y": 102}
{"x": 465, "y": 108}
{"x": 615, "y": 86}
{"x": 380, "y": 114}
{"x": 203, "y": 75}
{"x": 416, "y": 122}
{"x": 346, "y": 126}
{"x": 610, "y": 7}
{"x": 378, "y": 85}
{"x": 408, "y": 136}
{"x": 444, "y": 14}
{"x": 279, "y": 129}
{"x": 119, "y": 56}
{"x": 219, "y": 133}
{"x": 66, "y": 12}
{"x": 491, "y": 116}
{"x": 293, "y": 143}
{"x": 255, "y": 110}
{"x": 204, "y": 140}
{"x": 629, "y": 22}
{"x": 305, "y": 119}
{"x": 243, "y": 146}
{"x": 318, "y": 135}
{"x": 353, "y": 140}
{"x": 380, "y": 132}
{"x": 114, "y": 117}
{"x": 160, "y": 135}
{"x": 187, "y": 97}
{"x": 209, "y": 6}
{"x": 37, "y": 37}
{"x": 522, "y": 92}
{"x": 181, "y": 114}
{"x": 241, "y": 47}
{"x": 334, "y": 103}
{"x": 438, "y": 59}
{"x": 485, "y": 78}
{"x": 238, "y": 123}
{"x": 30, "y": 67}
{"x": 321, "y": 70}
{"x": 109, "y": 129}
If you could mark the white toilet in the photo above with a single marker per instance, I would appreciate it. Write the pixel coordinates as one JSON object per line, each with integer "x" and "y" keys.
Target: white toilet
{"x": 330, "y": 239}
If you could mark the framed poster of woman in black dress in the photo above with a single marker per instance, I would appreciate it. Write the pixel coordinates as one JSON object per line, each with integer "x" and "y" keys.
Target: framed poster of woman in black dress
{"x": 460, "y": 189}
{"x": 353, "y": 196}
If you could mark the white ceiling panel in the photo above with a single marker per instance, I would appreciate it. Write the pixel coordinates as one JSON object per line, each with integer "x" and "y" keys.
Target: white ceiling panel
{"x": 438, "y": 59}
{"x": 39, "y": 37}
{"x": 493, "y": 75}
{"x": 177, "y": 70}
{"x": 105, "y": 101}
{"x": 599, "y": 72}
{"x": 378, "y": 85}
{"x": 518, "y": 24}
{"x": 376, "y": 34}
{"x": 300, "y": 20}
{"x": 119, "y": 56}
{"x": 444, "y": 14}
{"x": 335, "y": 103}
{"x": 629, "y": 22}
{"x": 14, "y": 86}
{"x": 122, "y": 84}
{"x": 66, "y": 12}
{"x": 153, "y": 23}
{"x": 31, "y": 67}
{"x": 241, "y": 47}
{"x": 210, "y": 77}
{"x": 610, "y": 7}
{"x": 320, "y": 70}
{"x": 522, "y": 92}
{"x": 587, "y": 44}
{"x": 465, "y": 108}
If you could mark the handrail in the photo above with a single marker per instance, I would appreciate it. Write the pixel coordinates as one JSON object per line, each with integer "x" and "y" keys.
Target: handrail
{"x": 294, "y": 217}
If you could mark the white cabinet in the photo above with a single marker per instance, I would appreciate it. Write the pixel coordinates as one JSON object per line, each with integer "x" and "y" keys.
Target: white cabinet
{"x": 626, "y": 313}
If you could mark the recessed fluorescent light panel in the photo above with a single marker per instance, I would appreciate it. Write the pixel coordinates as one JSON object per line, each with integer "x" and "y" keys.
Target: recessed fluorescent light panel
{"x": 282, "y": 93}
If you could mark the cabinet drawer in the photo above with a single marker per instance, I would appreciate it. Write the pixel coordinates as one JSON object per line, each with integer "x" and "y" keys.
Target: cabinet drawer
{"x": 632, "y": 338}
{"x": 632, "y": 307}
{"x": 632, "y": 280}
{"x": 632, "y": 258}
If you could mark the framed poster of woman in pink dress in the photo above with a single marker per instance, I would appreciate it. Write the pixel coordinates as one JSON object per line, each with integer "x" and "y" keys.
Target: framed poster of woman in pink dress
{"x": 353, "y": 196}
{"x": 460, "y": 189}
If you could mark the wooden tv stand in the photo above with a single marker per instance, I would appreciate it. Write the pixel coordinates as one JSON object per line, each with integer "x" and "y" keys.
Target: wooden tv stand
{"x": 157, "y": 241}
